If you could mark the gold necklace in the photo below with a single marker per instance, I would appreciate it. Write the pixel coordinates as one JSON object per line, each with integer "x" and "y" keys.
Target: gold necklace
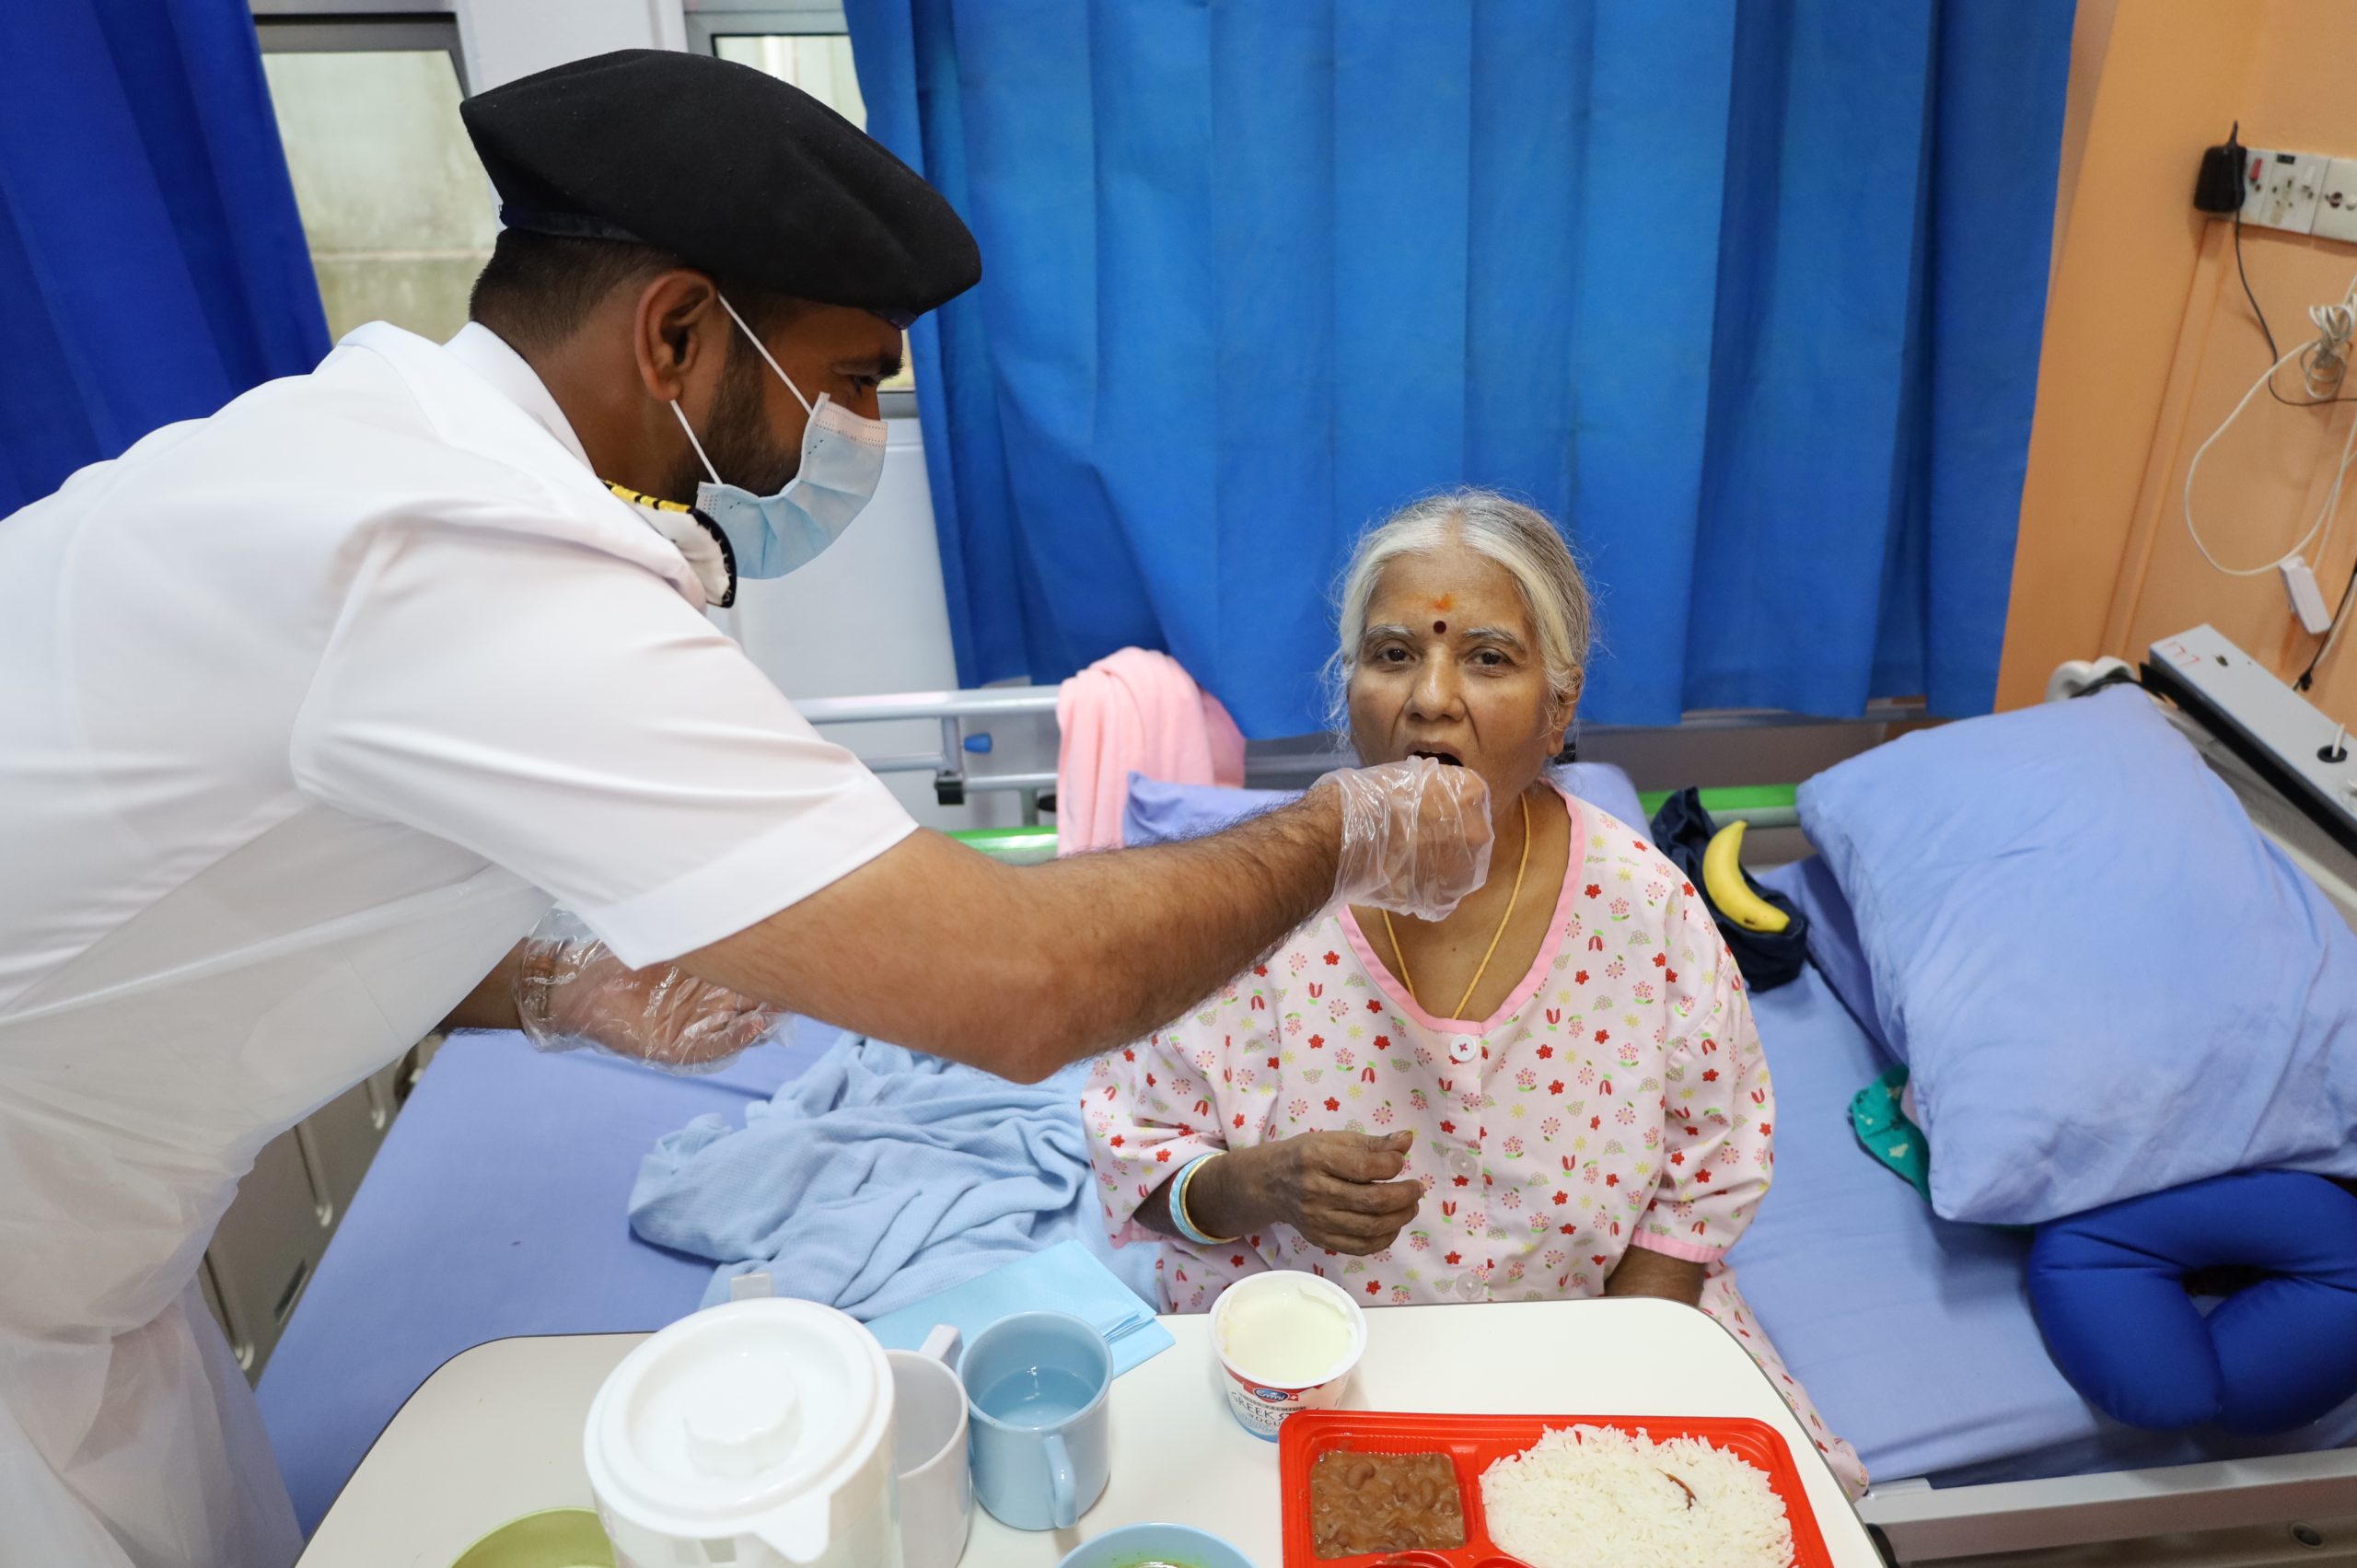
{"x": 1401, "y": 959}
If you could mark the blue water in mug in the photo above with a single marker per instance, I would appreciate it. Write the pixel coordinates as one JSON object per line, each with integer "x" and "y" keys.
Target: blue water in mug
{"x": 1036, "y": 1397}
{"x": 1042, "y": 1427}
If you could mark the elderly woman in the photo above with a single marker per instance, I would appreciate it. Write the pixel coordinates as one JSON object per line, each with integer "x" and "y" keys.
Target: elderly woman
{"x": 1555, "y": 1092}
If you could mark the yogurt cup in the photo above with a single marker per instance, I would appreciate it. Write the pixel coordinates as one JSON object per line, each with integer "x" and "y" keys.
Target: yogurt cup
{"x": 1266, "y": 1379}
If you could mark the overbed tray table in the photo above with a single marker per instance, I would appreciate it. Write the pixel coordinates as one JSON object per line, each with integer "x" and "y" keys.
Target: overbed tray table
{"x": 497, "y": 1432}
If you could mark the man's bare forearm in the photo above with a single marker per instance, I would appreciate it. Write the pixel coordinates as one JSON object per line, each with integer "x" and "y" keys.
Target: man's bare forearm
{"x": 1021, "y": 969}
{"x": 492, "y": 1004}
{"x": 1177, "y": 920}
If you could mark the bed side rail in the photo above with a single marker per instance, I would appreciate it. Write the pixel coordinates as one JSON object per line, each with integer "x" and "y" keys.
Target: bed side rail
{"x": 951, "y": 779}
{"x": 1926, "y": 1524}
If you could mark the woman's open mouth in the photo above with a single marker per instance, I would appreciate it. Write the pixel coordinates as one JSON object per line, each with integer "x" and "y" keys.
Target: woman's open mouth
{"x": 1438, "y": 754}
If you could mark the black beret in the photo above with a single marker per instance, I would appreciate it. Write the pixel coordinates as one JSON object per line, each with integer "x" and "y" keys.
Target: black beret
{"x": 728, "y": 168}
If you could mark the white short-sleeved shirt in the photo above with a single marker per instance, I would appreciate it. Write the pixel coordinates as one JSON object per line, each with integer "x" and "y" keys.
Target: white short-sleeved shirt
{"x": 306, "y": 711}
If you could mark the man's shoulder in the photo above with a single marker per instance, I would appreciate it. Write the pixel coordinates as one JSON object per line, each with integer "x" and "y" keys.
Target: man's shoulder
{"x": 354, "y": 422}
{"x": 391, "y": 430}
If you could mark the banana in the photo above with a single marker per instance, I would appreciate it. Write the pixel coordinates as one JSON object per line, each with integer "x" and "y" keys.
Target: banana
{"x": 1722, "y": 879}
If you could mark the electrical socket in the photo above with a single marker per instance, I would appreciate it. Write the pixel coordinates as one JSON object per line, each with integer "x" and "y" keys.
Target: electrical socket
{"x": 2256, "y": 162}
{"x": 2287, "y": 188}
{"x": 2337, "y": 202}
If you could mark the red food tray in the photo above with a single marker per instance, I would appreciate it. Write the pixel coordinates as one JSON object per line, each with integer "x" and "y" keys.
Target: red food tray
{"x": 1475, "y": 1442}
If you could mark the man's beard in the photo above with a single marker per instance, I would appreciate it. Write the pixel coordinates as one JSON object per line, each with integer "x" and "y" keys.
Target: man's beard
{"x": 739, "y": 443}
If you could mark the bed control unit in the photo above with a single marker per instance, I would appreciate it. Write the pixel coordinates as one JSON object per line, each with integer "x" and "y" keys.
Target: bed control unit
{"x": 2307, "y": 756}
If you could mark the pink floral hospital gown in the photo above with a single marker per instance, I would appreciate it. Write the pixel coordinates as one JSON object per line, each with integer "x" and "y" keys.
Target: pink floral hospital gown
{"x": 1618, "y": 1098}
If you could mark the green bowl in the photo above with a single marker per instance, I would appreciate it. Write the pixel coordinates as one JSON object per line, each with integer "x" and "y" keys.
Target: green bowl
{"x": 558, "y": 1538}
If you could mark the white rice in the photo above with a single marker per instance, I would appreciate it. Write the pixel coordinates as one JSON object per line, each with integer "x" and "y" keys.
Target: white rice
{"x": 1596, "y": 1497}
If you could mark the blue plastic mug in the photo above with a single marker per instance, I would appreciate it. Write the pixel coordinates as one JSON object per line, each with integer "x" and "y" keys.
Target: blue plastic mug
{"x": 1035, "y": 1385}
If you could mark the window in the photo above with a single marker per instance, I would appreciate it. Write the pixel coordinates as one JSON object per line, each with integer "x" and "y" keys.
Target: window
{"x": 807, "y": 44}
{"x": 819, "y": 65}
{"x": 396, "y": 208}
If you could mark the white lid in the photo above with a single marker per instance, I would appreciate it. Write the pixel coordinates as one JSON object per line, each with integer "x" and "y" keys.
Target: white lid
{"x": 746, "y": 1418}
{"x": 1309, "y": 1287}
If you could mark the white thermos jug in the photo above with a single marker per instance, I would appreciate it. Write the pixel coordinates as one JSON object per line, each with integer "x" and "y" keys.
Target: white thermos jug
{"x": 757, "y": 1433}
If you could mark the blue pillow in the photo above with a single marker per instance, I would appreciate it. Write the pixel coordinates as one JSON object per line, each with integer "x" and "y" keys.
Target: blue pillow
{"x": 1158, "y": 812}
{"x": 1833, "y": 944}
{"x": 2112, "y": 1299}
{"x": 2105, "y": 980}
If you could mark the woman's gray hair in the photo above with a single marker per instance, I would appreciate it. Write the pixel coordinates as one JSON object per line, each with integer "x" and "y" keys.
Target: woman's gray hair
{"x": 1517, "y": 537}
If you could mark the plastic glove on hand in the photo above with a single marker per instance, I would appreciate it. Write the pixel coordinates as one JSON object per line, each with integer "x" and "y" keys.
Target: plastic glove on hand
{"x": 572, "y": 992}
{"x": 1416, "y": 836}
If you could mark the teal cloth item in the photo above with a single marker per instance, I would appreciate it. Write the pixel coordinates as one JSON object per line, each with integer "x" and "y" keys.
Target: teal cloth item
{"x": 1895, "y": 1141}
{"x": 1063, "y": 1278}
{"x": 1885, "y": 1132}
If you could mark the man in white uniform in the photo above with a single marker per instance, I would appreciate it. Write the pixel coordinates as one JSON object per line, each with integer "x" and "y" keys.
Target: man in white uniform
{"x": 307, "y": 711}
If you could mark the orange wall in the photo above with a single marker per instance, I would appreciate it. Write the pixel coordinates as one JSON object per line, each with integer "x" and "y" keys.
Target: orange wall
{"x": 2148, "y": 343}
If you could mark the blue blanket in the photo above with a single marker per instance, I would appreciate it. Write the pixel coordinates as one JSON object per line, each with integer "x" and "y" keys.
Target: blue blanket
{"x": 879, "y": 1178}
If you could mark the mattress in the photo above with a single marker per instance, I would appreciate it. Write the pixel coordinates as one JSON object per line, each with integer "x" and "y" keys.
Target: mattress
{"x": 1915, "y": 1335}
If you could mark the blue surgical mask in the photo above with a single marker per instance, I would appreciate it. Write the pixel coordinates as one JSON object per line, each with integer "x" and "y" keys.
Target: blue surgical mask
{"x": 842, "y": 457}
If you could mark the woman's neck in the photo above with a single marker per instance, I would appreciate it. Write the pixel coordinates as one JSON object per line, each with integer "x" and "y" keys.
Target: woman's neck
{"x": 1443, "y": 957}
{"x": 1510, "y": 818}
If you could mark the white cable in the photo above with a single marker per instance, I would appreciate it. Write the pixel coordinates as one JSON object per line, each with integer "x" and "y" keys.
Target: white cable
{"x": 2323, "y": 364}
{"x": 2331, "y": 515}
{"x": 2335, "y": 325}
{"x": 2194, "y": 468}
{"x": 2332, "y": 639}
{"x": 2340, "y": 609}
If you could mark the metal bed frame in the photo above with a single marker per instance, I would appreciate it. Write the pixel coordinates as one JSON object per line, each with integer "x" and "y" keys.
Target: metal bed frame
{"x": 951, "y": 780}
{"x": 2287, "y": 1508}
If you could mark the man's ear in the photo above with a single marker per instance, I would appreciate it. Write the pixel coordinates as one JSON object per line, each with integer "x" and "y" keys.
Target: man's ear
{"x": 678, "y": 326}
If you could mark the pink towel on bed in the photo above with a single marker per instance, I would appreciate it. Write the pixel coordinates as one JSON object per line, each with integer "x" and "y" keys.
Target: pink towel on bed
{"x": 1135, "y": 710}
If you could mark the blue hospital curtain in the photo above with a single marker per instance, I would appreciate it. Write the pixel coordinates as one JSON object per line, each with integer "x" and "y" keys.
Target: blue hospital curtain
{"x": 1748, "y": 295}
{"x": 152, "y": 263}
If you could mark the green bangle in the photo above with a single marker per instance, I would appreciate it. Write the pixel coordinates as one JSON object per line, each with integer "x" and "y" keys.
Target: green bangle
{"x": 1179, "y": 1215}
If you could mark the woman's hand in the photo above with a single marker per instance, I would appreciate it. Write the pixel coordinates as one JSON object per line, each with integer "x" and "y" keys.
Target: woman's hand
{"x": 1340, "y": 1189}
{"x": 1642, "y": 1271}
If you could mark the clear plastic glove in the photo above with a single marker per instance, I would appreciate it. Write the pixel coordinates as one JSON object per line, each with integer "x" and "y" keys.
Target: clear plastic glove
{"x": 1415, "y": 836}
{"x": 572, "y": 992}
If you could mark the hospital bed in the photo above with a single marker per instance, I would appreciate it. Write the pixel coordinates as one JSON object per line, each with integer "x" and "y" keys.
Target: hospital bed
{"x": 1915, "y": 1338}
{"x": 497, "y": 1208}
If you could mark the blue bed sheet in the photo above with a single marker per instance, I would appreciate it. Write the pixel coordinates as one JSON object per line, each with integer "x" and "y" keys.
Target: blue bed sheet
{"x": 499, "y": 1206}
{"x": 1913, "y": 1334}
